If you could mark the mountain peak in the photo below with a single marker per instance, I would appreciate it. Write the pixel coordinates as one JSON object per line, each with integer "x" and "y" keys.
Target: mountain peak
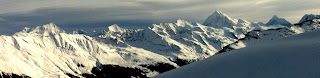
{"x": 218, "y": 12}
{"x": 47, "y": 28}
{"x": 219, "y": 20}
{"x": 307, "y": 17}
{"x": 275, "y": 20}
{"x": 115, "y": 28}
{"x": 275, "y": 17}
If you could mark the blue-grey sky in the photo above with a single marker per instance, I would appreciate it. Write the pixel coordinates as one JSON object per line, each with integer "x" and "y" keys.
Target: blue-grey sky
{"x": 16, "y": 14}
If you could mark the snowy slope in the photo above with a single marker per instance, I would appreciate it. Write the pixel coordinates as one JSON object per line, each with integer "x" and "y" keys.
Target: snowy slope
{"x": 47, "y": 51}
{"x": 276, "y": 21}
{"x": 292, "y": 57}
{"x": 180, "y": 40}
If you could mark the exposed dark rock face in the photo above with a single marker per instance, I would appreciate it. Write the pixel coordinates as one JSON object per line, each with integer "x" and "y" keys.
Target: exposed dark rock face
{"x": 159, "y": 67}
{"x": 226, "y": 48}
{"x": 11, "y": 75}
{"x": 182, "y": 62}
{"x": 115, "y": 71}
{"x": 72, "y": 76}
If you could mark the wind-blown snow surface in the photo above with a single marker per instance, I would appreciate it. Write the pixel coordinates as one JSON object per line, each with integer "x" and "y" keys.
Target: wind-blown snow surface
{"x": 48, "y": 51}
{"x": 292, "y": 57}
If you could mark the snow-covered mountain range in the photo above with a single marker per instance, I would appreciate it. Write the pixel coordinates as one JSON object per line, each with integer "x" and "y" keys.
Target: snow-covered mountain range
{"x": 48, "y": 51}
{"x": 278, "y": 53}
{"x": 308, "y": 23}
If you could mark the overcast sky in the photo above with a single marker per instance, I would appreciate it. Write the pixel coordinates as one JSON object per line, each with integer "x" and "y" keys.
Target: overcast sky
{"x": 16, "y": 14}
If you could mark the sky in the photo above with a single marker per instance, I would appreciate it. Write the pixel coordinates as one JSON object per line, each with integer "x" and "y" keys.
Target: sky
{"x": 71, "y": 14}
